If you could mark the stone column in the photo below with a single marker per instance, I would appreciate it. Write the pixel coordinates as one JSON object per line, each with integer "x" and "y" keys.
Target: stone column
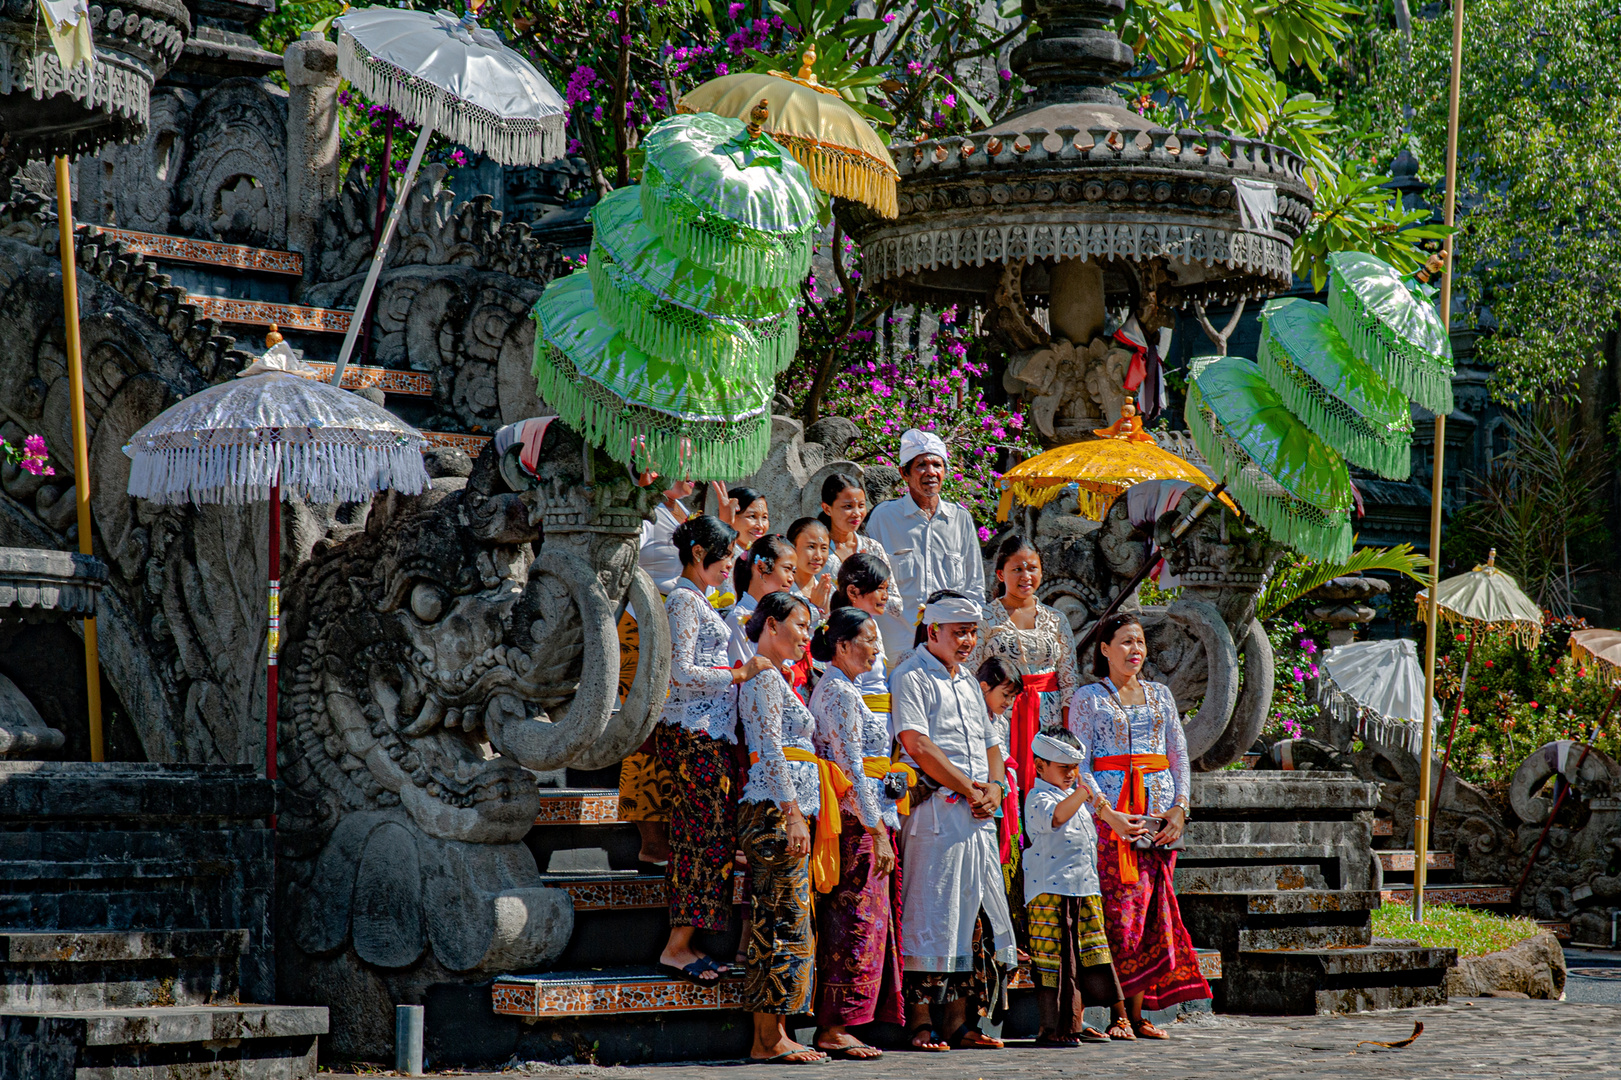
{"x": 311, "y": 64}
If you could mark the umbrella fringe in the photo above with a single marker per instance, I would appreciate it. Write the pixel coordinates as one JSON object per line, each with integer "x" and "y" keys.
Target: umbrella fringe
{"x": 707, "y": 339}
{"x": 643, "y": 438}
{"x": 1424, "y": 378}
{"x": 845, "y": 172}
{"x": 1526, "y": 634}
{"x": 509, "y": 140}
{"x": 1366, "y": 724}
{"x": 1387, "y": 452}
{"x": 1286, "y": 518}
{"x": 731, "y": 250}
{"x": 239, "y": 474}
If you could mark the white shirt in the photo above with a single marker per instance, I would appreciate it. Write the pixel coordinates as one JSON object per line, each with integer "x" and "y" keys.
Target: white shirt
{"x": 740, "y": 650}
{"x": 949, "y": 709}
{"x": 1061, "y": 861}
{"x": 658, "y": 555}
{"x": 925, "y": 554}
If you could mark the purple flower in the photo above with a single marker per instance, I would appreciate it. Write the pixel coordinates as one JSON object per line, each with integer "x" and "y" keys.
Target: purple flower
{"x": 984, "y": 534}
{"x": 734, "y": 10}
{"x": 1299, "y": 676}
{"x": 34, "y": 446}
{"x": 1308, "y": 646}
{"x": 613, "y": 16}
{"x": 1005, "y": 75}
{"x": 721, "y": 69}
{"x": 914, "y": 67}
{"x": 891, "y": 17}
{"x": 458, "y": 158}
{"x": 949, "y": 101}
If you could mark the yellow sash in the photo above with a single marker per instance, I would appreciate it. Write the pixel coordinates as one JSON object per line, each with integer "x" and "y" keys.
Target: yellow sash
{"x": 876, "y": 702}
{"x": 880, "y": 767}
{"x": 824, "y": 859}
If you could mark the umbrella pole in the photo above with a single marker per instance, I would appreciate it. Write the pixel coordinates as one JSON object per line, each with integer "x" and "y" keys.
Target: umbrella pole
{"x": 363, "y": 303}
{"x": 377, "y": 219}
{"x": 81, "y": 445}
{"x": 1457, "y": 710}
{"x": 1421, "y": 812}
{"x": 1563, "y": 788}
{"x": 274, "y": 636}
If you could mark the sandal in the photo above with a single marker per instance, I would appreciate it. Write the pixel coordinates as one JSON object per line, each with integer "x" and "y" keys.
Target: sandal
{"x": 1045, "y": 1041}
{"x": 695, "y": 971}
{"x": 969, "y": 1037}
{"x": 792, "y": 1057}
{"x": 1146, "y": 1030}
{"x": 1093, "y": 1035}
{"x": 1120, "y": 1031}
{"x": 934, "y": 1044}
{"x": 856, "y": 1051}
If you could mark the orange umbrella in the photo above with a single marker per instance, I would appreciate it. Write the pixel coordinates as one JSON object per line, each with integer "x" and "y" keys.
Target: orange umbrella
{"x": 1100, "y": 469}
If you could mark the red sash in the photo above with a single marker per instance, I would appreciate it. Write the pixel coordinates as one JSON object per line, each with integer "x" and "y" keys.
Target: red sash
{"x": 1026, "y": 722}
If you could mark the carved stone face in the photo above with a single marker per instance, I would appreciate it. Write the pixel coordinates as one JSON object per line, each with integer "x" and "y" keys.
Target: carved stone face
{"x": 1221, "y": 559}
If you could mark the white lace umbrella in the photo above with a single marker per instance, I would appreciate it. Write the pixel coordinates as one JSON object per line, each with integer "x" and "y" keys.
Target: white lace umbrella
{"x": 270, "y": 430}
{"x": 1379, "y": 687}
{"x": 450, "y": 75}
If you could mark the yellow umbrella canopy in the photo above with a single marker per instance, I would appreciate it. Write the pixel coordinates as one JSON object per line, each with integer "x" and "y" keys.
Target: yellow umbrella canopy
{"x": 1601, "y": 648}
{"x": 1486, "y": 599}
{"x": 844, "y": 154}
{"x": 1100, "y": 468}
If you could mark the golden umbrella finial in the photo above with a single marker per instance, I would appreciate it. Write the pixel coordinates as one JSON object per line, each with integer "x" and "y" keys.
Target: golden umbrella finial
{"x": 806, "y": 63}
{"x": 273, "y": 337}
{"x": 757, "y": 118}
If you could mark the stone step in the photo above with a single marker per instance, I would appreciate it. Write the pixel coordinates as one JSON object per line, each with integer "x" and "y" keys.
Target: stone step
{"x": 388, "y": 380}
{"x": 1373, "y": 998}
{"x": 164, "y": 248}
{"x": 578, "y": 806}
{"x": 116, "y": 970}
{"x": 577, "y": 832}
{"x": 1383, "y": 827}
{"x": 1557, "y": 928}
{"x": 1247, "y": 878}
{"x": 473, "y": 444}
{"x": 1462, "y": 895}
{"x": 1405, "y": 860}
{"x": 234, "y": 312}
{"x": 1295, "y": 981}
{"x": 182, "y": 1042}
{"x": 1331, "y": 936}
{"x": 1311, "y": 901}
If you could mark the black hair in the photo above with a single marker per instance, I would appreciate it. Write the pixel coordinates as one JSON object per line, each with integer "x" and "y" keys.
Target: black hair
{"x": 935, "y": 597}
{"x": 834, "y": 486}
{"x": 763, "y": 553}
{"x": 800, "y": 525}
{"x": 706, "y": 531}
{"x": 745, "y": 496}
{"x": 997, "y": 671}
{"x": 1111, "y": 626}
{"x": 843, "y": 625}
{"x": 1005, "y": 552}
{"x": 778, "y": 606}
{"x": 866, "y": 572}
{"x": 1060, "y": 736}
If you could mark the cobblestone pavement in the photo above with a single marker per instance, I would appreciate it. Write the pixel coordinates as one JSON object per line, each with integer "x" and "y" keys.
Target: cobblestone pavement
{"x": 1479, "y": 1039}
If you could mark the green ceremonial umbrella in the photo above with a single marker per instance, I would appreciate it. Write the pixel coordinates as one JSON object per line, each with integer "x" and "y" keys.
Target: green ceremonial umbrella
{"x": 728, "y": 199}
{"x": 1394, "y": 326}
{"x": 679, "y": 418}
{"x": 1282, "y": 474}
{"x": 1343, "y": 399}
{"x": 667, "y": 304}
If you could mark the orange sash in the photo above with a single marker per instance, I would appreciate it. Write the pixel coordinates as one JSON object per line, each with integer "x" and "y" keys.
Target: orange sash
{"x": 824, "y": 857}
{"x": 880, "y": 767}
{"x": 1133, "y": 798}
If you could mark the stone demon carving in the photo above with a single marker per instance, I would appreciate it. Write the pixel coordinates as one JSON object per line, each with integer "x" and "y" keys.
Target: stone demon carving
{"x": 1194, "y": 643}
{"x": 430, "y": 662}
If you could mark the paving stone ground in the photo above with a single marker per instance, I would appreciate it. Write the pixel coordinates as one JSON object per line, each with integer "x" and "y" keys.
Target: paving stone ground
{"x": 1471, "y": 1039}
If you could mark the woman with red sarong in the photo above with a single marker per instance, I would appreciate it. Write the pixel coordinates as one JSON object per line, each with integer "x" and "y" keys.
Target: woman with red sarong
{"x": 1135, "y": 760}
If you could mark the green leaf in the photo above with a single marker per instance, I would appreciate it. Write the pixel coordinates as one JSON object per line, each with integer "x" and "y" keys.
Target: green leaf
{"x": 969, "y": 100}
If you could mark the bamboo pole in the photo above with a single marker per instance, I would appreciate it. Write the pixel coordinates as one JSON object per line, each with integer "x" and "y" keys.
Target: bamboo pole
{"x": 81, "y": 447}
{"x": 1421, "y": 812}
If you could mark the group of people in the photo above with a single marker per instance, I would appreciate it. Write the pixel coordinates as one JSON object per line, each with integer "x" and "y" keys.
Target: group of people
{"x": 918, "y": 785}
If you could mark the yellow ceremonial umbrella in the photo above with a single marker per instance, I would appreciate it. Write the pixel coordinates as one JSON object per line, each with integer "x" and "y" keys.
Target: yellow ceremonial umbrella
{"x": 820, "y": 129}
{"x": 1101, "y": 469}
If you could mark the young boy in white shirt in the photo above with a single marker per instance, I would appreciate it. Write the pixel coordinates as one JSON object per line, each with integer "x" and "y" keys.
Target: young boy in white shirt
{"x": 1069, "y": 952}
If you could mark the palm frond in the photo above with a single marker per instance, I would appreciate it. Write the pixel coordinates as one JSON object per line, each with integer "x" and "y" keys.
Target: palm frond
{"x": 1290, "y": 583}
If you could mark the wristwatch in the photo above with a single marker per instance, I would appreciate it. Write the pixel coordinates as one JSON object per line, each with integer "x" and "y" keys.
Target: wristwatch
{"x": 1003, "y": 785}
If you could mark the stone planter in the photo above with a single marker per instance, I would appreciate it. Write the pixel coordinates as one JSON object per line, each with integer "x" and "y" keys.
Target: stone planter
{"x": 1535, "y": 968}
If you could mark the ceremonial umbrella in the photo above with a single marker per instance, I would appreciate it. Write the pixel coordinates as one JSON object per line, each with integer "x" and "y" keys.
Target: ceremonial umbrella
{"x": 1280, "y": 471}
{"x": 450, "y": 75}
{"x": 273, "y": 428}
{"x": 1378, "y": 685}
{"x": 825, "y": 134}
{"x": 1485, "y": 598}
{"x": 1393, "y": 325}
{"x": 1100, "y": 469}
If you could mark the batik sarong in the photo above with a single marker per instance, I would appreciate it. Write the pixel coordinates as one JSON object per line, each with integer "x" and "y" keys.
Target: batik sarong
{"x": 703, "y": 826}
{"x": 1153, "y": 954}
{"x": 781, "y": 966}
{"x": 1069, "y": 953}
{"x": 858, "y": 951}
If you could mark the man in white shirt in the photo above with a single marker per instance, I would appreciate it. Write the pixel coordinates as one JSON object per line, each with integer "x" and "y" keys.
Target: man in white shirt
{"x": 949, "y": 841}
{"x": 932, "y": 543}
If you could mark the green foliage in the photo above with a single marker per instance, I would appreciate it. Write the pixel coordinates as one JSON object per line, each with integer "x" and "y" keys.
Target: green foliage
{"x": 1296, "y": 648}
{"x": 1295, "y": 575}
{"x": 1472, "y": 931}
{"x": 1541, "y": 211}
{"x": 1354, "y": 213}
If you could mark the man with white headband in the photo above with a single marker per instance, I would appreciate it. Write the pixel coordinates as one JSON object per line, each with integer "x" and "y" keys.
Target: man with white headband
{"x": 932, "y": 543}
{"x": 949, "y": 841}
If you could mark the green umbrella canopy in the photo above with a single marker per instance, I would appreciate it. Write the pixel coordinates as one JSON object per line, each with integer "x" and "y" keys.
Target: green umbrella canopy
{"x": 1282, "y": 474}
{"x": 1337, "y": 394}
{"x": 1392, "y": 328}
{"x": 729, "y": 200}
{"x": 681, "y": 419}
{"x": 667, "y": 304}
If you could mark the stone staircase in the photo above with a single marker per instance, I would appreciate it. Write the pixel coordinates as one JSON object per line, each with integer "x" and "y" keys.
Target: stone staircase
{"x": 134, "y": 920}
{"x": 1278, "y": 873}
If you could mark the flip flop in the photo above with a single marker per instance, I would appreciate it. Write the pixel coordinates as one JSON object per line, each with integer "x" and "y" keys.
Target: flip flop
{"x": 1147, "y": 1030}
{"x": 1093, "y": 1035}
{"x": 821, "y": 1058}
{"x": 941, "y": 1047}
{"x": 1057, "y": 1042}
{"x": 969, "y": 1037}
{"x": 847, "y": 1053}
{"x": 694, "y": 971}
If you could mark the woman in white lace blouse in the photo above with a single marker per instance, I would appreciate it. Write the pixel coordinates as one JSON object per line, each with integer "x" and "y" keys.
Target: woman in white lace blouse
{"x": 1135, "y": 761}
{"x": 693, "y": 740}
{"x": 858, "y": 957}
{"x": 782, "y": 793}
